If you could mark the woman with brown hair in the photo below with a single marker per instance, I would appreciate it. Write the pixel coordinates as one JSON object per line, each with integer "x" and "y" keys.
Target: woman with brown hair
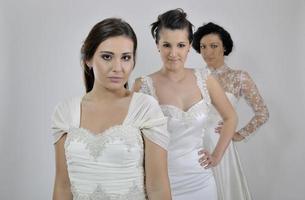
{"x": 104, "y": 139}
{"x": 185, "y": 96}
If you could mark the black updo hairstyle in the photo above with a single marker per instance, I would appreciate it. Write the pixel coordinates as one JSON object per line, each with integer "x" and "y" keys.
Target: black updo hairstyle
{"x": 211, "y": 28}
{"x": 173, "y": 20}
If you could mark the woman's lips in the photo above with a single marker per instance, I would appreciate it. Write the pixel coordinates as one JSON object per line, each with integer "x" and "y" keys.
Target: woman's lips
{"x": 115, "y": 79}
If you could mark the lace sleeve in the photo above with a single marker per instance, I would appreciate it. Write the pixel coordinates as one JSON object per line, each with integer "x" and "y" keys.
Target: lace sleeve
{"x": 251, "y": 94}
{"x": 144, "y": 88}
{"x": 147, "y": 87}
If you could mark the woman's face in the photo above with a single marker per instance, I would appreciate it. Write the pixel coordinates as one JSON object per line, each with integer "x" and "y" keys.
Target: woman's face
{"x": 113, "y": 62}
{"x": 173, "y": 46}
{"x": 212, "y": 50}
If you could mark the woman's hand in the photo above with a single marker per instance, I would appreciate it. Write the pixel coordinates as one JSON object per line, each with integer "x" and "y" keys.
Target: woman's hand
{"x": 208, "y": 160}
{"x": 236, "y": 137}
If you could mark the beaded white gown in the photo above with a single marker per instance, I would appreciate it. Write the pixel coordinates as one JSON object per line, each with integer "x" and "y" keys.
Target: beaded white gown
{"x": 229, "y": 176}
{"x": 188, "y": 179}
{"x": 109, "y": 165}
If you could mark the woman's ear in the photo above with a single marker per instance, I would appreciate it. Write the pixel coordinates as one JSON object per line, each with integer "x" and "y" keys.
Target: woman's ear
{"x": 89, "y": 63}
{"x": 157, "y": 45}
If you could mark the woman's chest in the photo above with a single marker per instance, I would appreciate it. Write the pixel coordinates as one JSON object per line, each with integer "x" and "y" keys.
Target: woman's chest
{"x": 118, "y": 144}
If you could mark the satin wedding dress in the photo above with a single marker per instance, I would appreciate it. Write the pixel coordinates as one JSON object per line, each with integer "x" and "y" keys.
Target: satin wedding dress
{"x": 188, "y": 179}
{"x": 109, "y": 165}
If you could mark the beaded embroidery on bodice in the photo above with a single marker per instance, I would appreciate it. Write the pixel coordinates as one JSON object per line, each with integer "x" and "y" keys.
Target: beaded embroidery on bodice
{"x": 109, "y": 164}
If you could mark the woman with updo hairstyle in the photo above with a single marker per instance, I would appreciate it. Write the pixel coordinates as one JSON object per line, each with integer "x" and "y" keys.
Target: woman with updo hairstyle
{"x": 109, "y": 139}
{"x": 185, "y": 96}
{"x": 213, "y": 42}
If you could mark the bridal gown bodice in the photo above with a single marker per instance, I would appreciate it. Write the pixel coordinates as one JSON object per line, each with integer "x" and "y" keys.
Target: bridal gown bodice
{"x": 186, "y": 139}
{"x": 109, "y": 165}
{"x": 188, "y": 179}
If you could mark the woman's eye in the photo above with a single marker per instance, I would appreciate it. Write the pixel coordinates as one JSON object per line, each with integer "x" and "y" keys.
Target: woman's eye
{"x": 213, "y": 46}
{"x": 202, "y": 47}
{"x": 126, "y": 58}
{"x": 106, "y": 57}
{"x": 166, "y": 45}
{"x": 181, "y": 45}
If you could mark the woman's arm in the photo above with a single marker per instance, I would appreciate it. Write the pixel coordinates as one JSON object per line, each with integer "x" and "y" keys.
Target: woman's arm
{"x": 157, "y": 182}
{"x": 62, "y": 189}
{"x": 228, "y": 114}
{"x": 253, "y": 98}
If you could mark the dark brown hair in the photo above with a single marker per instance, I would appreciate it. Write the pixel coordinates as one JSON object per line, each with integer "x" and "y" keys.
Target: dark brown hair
{"x": 110, "y": 27}
{"x": 173, "y": 20}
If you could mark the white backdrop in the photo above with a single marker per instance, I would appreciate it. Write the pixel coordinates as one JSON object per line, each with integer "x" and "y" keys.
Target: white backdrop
{"x": 39, "y": 53}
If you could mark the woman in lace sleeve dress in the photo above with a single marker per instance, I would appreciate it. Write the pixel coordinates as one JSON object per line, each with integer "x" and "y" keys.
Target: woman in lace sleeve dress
{"x": 104, "y": 139}
{"x": 214, "y": 43}
{"x": 185, "y": 96}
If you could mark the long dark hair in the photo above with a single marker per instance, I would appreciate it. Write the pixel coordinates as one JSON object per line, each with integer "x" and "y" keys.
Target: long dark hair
{"x": 110, "y": 27}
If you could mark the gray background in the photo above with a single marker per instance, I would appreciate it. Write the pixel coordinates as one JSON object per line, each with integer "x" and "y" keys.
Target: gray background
{"x": 39, "y": 53}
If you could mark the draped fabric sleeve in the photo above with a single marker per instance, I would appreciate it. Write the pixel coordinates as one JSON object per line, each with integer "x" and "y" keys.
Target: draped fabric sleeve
{"x": 59, "y": 125}
{"x": 253, "y": 98}
{"x": 66, "y": 114}
{"x": 149, "y": 118}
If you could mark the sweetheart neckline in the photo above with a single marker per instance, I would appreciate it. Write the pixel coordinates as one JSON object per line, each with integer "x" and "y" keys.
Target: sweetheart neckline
{"x": 110, "y": 127}
{"x": 102, "y": 133}
{"x": 181, "y": 110}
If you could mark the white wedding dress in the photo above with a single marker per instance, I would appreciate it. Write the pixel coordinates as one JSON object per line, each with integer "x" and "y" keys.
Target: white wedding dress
{"x": 109, "y": 165}
{"x": 188, "y": 179}
{"x": 230, "y": 180}
{"x": 229, "y": 176}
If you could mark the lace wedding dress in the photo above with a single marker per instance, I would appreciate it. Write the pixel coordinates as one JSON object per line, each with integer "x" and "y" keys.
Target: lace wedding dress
{"x": 230, "y": 180}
